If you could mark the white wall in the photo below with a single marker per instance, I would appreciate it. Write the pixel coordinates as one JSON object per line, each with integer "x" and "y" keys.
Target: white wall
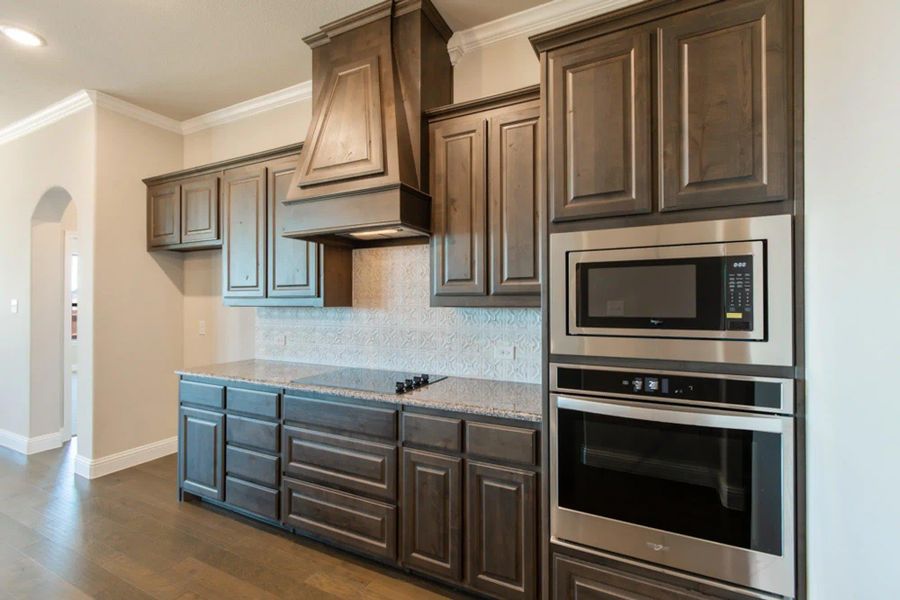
{"x": 853, "y": 292}
{"x": 500, "y": 67}
{"x": 61, "y": 154}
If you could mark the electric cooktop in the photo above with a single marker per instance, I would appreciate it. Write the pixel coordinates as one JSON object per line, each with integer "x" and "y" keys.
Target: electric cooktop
{"x": 372, "y": 380}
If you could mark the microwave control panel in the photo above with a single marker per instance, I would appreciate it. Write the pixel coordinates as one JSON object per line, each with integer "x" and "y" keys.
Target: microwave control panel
{"x": 739, "y": 293}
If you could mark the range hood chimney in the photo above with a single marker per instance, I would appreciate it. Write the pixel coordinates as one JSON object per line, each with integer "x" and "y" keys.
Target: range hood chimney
{"x": 362, "y": 178}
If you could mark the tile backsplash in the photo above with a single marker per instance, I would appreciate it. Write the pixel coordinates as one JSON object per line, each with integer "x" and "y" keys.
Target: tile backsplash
{"x": 391, "y": 326}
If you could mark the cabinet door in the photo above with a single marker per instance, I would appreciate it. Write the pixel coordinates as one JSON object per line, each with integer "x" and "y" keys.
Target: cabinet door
{"x": 431, "y": 533}
{"x": 292, "y": 264}
{"x": 200, "y": 209}
{"x": 598, "y": 127}
{"x": 163, "y": 215}
{"x": 201, "y": 452}
{"x": 244, "y": 246}
{"x": 459, "y": 207}
{"x": 723, "y": 105}
{"x": 501, "y": 530}
{"x": 514, "y": 219}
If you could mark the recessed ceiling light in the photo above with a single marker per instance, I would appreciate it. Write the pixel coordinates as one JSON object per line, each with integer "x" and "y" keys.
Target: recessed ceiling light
{"x": 22, "y": 36}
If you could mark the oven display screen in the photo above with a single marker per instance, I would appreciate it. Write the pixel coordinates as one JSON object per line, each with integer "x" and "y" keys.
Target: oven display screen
{"x": 654, "y": 291}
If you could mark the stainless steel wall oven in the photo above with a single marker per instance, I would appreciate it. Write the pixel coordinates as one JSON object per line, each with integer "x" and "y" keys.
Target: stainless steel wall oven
{"x": 710, "y": 291}
{"x": 690, "y": 471}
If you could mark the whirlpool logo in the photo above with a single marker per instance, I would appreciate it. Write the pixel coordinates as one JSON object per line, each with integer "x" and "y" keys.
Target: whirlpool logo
{"x": 655, "y": 322}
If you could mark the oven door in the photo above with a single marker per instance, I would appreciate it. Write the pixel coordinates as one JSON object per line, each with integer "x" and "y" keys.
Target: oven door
{"x": 709, "y": 492}
{"x": 701, "y": 291}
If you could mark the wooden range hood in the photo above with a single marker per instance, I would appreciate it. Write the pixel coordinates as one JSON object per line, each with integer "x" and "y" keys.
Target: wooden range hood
{"x": 362, "y": 175}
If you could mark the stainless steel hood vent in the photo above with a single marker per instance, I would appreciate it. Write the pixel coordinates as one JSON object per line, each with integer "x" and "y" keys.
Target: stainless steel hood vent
{"x": 362, "y": 175}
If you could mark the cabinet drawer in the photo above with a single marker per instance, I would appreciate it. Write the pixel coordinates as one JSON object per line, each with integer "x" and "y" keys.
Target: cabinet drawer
{"x": 348, "y": 520}
{"x": 253, "y": 433}
{"x": 252, "y": 466}
{"x": 352, "y": 418}
{"x": 502, "y": 443}
{"x": 251, "y": 497}
{"x": 575, "y": 579}
{"x": 438, "y": 433}
{"x": 350, "y": 464}
{"x": 252, "y": 402}
{"x": 201, "y": 394}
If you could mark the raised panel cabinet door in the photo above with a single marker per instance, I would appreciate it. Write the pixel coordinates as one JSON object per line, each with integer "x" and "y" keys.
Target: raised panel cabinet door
{"x": 200, "y": 209}
{"x": 244, "y": 242}
{"x": 599, "y": 160}
{"x": 201, "y": 452}
{"x": 347, "y": 139}
{"x": 723, "y": 105}
{"x": 293, "y": 265}
{"x": 431, "y": 531}
{"x": 459, "y": 207}
{"x": 514, "y": 199}
{"x": 501, "y": 530}
{"x": 578, "y": 580}
{"x": 163, "y": 215}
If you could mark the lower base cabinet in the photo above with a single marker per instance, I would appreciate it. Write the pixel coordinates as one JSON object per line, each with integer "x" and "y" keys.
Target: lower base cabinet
{"x": 201, "y": 452}
{"x": 252, "y": 497}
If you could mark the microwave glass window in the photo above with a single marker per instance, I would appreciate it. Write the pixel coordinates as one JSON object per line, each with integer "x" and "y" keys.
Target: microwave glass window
{"x": 720, "y": 485}
{"x": 657, "y": 291}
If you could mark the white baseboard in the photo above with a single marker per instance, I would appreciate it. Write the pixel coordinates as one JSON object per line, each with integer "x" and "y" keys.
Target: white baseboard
{"x": 98, "y": 467}
{"x": 30, "y": 445}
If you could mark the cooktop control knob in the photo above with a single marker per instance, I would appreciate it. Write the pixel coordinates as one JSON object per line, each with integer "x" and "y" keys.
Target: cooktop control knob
{"x": 417, "y": 381}
{"x": 409, "y": 384}
{"x": 424, "y": 378}
{"x": 400, "y": 387}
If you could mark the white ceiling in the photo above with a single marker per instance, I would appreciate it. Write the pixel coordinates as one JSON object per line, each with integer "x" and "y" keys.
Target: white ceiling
{"x": 179, "y": 58}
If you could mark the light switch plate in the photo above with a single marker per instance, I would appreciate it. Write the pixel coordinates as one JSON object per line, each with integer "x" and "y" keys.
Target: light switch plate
{"x": 281, "y": 340}
{"x": 201, "y": 327}
{"x": 505, "y": 352}
{"x": 13, "y": 306}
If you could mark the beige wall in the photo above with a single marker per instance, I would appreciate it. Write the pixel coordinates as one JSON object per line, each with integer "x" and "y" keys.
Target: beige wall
{"x": 138, "y": 305}
{"x": 506, "y": 65}
{"x": 59, "y": 155}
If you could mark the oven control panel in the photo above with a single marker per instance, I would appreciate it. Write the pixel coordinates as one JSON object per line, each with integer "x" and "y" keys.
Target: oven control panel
{"x": 739, "y": 293}
{"x": 667, "y": 386}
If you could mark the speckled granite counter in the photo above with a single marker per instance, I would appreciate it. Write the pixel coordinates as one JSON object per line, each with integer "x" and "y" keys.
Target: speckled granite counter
{"x": 505, "y": 399}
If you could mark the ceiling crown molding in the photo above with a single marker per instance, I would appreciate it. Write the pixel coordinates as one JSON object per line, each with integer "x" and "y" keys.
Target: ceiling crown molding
{"x": 133, "y": 111}
{"x": 241, "y": 110}
{"x": 527, "y": 22}
{"x": 46, "y": 116}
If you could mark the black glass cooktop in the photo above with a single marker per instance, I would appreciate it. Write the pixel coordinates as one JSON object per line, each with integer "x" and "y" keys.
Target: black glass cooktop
{"x": 372, "y": 380}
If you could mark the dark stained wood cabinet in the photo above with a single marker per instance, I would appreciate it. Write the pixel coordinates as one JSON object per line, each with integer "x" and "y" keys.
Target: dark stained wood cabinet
{"x": 244, "y": 218}
{"x": 200, "y": 209}
{"x": 501, "y": 530}
{"x": 163, "y": 215}
{"x": 431, "y": 532}
{"x": 723, "y": 105}
{"x": 704, "y": 124}
{"x": 201, "y": 452}
{"x": 486, "y": 201}
{"x": 293, "y": 265}
{"x": 598, "y": 127}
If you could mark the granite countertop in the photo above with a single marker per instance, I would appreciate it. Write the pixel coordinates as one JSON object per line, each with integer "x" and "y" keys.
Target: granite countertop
{"x": 505, "y": 399}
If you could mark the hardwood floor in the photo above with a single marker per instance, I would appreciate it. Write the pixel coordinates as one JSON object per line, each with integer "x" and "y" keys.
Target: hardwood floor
{"x": 125, "y": 536}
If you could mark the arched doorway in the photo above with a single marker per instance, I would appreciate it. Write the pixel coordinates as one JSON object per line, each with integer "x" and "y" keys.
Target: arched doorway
{"x": 53, "y": 318}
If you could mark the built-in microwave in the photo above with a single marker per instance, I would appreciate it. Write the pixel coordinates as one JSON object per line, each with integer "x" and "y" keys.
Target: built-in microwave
{"x": 709, "y": 291}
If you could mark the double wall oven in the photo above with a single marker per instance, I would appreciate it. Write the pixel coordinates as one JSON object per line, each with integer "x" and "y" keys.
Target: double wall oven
{"x": 691, "y": 470}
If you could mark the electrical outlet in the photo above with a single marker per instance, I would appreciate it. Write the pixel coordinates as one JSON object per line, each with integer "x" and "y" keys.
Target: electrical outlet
{"x": 201, "y": 327}
{"x": 281, "y": 340}
{"x": 13, "y": 306}
{"x": 505, "y": 352}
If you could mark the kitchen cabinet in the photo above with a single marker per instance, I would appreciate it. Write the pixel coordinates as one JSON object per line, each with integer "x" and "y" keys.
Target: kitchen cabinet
{"x": 704, "y": 124}
{"x": 184, "y": 214}
{"x": 163, "y": 215}
{"x": 244, "y": 246}
{"x": 201, "y": 447}
{"x": 200, "y": 210}
{"x": 486, "y": 201}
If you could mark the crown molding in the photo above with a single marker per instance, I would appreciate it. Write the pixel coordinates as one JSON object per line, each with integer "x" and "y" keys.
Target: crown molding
{"x": 528, "y": 22}
{"x": 247, "y": 108}
{"x": 134, "y": 111}
{"x": 46, "y": 116}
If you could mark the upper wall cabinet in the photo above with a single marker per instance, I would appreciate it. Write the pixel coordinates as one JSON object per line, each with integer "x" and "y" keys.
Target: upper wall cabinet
{"x": 184, "y": 214}
{"x": 705, "y": 123}
{"x": 485, "y": 187}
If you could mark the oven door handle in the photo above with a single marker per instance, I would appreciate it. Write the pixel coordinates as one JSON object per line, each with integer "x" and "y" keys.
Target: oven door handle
{"x": 678, "y": 416}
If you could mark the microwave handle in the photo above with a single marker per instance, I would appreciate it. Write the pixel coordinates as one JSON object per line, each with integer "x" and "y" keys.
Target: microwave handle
{"x": 679, "y": 416}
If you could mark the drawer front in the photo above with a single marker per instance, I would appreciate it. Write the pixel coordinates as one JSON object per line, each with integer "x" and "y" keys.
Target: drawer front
{"x": 201, "y": 394}
{"x": 352, "y": 418}
{"x": 350, "y": 464}
{"x": 348, "y": 520}
{"x": 252, "y": 433}
{"x": 253, "y": 498}
{"x": 577, "y": 580}
{"x": 252, "y": 402}
{"x": 250, "y": 465}
{"x": 502, "y": 443}
{"x": 438, "y": 433}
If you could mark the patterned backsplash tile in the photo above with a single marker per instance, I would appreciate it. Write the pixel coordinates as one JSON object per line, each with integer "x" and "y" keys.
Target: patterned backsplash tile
{"x": 392, "y": 326}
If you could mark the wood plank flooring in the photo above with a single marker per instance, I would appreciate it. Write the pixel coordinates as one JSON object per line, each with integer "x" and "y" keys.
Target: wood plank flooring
{"x": 125, "y": 536}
